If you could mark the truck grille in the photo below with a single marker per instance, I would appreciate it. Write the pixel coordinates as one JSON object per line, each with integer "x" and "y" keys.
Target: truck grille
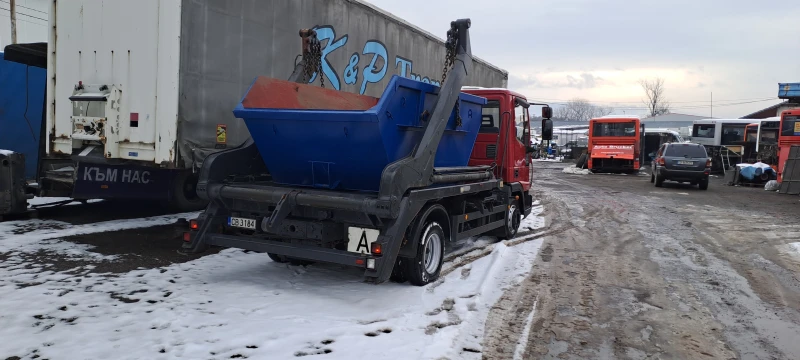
{"x": 491, "y": 151}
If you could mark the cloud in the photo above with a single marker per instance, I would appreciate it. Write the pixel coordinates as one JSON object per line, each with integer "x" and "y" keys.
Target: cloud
{"x": 566, "y": 48}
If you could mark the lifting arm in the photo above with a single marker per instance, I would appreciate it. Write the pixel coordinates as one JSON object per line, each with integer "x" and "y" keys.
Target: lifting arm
{"x": 416, "y": 170}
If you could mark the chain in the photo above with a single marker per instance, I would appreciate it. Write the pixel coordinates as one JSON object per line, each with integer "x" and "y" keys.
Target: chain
{"x": 314, "y": 62}
{"x": 450, "y": 60}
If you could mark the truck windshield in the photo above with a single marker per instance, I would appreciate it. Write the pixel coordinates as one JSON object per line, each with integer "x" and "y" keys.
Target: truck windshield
{"x": 690, "y": 151}
{"x": 614, "y": 129}
{"x": 791, "y": 126}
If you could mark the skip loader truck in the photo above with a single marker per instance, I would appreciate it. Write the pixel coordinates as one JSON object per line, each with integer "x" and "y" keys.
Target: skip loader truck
{"x": 381, "y": 184}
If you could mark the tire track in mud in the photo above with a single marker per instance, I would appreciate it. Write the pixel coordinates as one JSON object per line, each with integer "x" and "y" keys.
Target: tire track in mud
{"x": 600, "y": 296}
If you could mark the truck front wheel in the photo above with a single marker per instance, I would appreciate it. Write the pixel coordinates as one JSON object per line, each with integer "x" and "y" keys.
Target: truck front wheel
{"x": 425, "y": 267}
{"x": 512, "y": 222}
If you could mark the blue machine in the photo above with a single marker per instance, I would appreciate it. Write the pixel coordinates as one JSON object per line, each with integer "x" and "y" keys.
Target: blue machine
{"x": 348, "y": 149}
{"x": 22, "y": 98}
{"x": 788, "y": 90}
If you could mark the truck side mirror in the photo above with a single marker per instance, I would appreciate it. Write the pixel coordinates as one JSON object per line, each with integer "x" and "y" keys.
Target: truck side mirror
{"x": 547, "y": 128}
{"x": 547, "y": 112}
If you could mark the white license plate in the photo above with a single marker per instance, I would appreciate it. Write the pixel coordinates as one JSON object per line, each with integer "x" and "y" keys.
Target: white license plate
{"x": 243, "y": 223}
{"x": 359, "y": 240}
{"x": 685, "y": 162}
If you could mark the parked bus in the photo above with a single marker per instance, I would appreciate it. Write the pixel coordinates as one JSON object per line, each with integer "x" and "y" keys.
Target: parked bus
{"x": 615, "y": 144}
{"x": 723, "y": 139}
{"x": 789, "y": 135}
{"x": 761, "y": 141}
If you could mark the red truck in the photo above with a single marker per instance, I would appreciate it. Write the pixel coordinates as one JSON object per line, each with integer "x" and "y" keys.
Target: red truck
{"x": 615, "y": 144}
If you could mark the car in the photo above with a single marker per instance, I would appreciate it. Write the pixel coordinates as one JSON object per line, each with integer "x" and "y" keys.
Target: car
{"x": 681, "y": 162}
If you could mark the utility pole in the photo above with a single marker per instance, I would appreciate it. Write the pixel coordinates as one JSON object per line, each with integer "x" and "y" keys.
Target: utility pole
{"x": 13, "y": 11}
{"x": 712, "y": 104}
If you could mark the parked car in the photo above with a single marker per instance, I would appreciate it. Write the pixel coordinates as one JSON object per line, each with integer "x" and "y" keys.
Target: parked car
{"x": 681, "y": 162}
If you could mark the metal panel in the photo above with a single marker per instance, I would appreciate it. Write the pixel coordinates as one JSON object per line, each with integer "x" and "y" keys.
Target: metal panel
{"x": 226, "y": 45}
{"x": 790, "y": 184}
{"x": 129, "y": 45}
{"x": 21, "y": 106}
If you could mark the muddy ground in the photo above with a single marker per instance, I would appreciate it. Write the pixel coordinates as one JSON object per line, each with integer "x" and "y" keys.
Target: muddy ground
{"x": 639, "y": 272}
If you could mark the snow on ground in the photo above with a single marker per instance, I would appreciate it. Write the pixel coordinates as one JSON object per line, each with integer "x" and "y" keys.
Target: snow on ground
{"x": 575, "y": 170}
{"x": 39, "y": 201}
{"x": 555, "y": 159}
{"x": 238, "y": 304}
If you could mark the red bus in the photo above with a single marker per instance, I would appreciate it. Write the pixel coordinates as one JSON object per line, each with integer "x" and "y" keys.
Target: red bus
{"x": 788, "y": 136}
{"x": 615, "y": 144}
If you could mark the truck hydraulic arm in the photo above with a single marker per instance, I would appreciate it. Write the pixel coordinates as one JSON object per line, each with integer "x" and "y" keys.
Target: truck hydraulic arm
{"x": 416, "y": 170}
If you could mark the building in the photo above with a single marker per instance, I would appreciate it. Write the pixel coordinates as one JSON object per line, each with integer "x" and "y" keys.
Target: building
{"x": 774, "y": 110}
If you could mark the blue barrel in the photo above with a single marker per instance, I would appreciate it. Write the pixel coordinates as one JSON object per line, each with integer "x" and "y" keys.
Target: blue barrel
{"x": 322, "y": 138}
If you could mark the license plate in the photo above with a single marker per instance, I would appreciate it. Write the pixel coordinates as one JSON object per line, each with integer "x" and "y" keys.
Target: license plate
{"x": 359, "y": 240}
{"x": 685, "y": 162}
{"x": 243, "y": 223}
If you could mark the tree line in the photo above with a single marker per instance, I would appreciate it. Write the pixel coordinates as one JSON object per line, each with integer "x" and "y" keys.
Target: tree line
{"x": 580, "y": 109}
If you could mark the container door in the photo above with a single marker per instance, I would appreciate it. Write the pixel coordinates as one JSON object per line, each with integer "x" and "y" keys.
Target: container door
{"x": 119, "y": 61}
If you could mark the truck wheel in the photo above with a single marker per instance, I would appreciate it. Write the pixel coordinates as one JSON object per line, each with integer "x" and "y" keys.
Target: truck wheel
{"x": 184, "y": 193}
{"x": 512, "y": 223}
{"x": 427, "y": 264}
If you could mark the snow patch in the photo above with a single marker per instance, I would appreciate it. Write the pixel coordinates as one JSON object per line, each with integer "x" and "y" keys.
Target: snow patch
{"x": 6, "y": 152}
{"x": 576, "y": 171}
{"x": 241, "y": 304}
{"x": 32, "y": 236}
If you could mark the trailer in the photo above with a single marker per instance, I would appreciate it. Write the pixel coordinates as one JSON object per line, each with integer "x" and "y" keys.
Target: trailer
{"x": 139, "y": 93}
{"x": 381, "y": 184}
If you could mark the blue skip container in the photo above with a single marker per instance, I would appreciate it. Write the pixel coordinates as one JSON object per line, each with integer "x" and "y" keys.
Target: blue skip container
{"x": 314, "y": 137}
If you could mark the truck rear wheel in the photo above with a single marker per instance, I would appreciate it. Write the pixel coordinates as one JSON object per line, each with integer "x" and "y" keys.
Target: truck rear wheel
{"x": 425, "y": 267}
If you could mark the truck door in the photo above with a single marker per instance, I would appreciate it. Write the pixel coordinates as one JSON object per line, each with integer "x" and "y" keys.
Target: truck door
{"x": 518, "y": 146}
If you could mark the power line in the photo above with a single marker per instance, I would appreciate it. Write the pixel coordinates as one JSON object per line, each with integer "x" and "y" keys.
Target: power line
{"x": 25, "y": 7}
{"x": 25, "y": 21}
{"x": 23, "y": 14}
{"x": 632, "y": 102}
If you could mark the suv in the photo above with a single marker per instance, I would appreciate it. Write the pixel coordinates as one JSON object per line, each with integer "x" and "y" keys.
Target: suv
{"x": 681, "y": 162}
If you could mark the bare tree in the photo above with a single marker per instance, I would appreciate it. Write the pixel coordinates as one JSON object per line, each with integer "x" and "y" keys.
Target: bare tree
{"x": 656, "y": 102}
{"x": 579, "y": 109}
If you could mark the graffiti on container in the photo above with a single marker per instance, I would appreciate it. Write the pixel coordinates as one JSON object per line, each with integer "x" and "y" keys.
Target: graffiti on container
{"x": 369, "y": 66}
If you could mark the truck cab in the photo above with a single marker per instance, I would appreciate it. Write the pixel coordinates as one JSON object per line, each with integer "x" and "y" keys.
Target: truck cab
{"x": 504, "y": 137}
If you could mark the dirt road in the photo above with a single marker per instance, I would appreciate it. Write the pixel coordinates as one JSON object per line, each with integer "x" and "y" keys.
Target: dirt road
{"x": 635, "y": 272}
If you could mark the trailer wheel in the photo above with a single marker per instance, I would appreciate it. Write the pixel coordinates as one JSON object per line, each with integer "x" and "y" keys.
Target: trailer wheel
{"x": 184, "y": 193}
{"x": 427, "y": 264}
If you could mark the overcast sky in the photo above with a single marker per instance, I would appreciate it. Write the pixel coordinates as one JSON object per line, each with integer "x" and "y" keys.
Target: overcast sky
{"x": 555, "y": 50}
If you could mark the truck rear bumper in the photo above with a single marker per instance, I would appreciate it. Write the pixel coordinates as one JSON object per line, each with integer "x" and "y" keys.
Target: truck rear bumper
{"x": 298, "y": 251}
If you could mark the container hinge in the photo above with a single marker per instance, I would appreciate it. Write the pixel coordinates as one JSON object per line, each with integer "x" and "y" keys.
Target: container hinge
{"x": 282, "y": 210}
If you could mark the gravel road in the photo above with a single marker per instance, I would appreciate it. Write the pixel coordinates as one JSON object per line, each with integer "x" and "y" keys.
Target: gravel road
{"x": 637, "y": 272}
